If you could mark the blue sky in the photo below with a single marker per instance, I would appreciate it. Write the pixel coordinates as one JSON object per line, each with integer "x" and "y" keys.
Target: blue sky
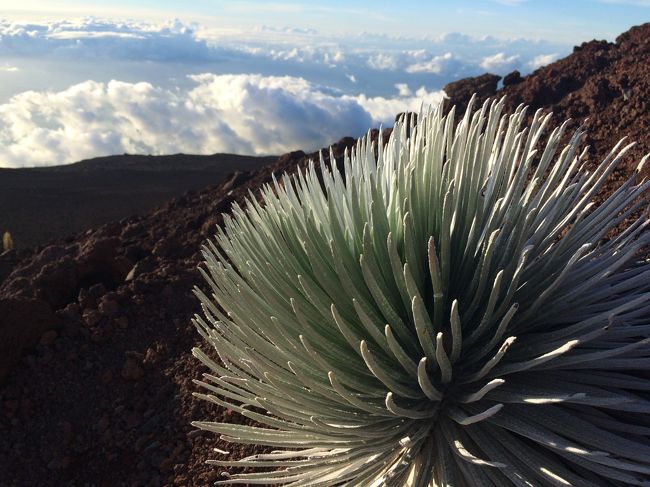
{"x": 567, "y": 21}
{"x": 82, "y": 79}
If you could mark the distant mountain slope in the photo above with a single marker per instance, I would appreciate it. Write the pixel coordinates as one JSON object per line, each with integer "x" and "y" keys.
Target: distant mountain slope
{"x": 41, "y": 204}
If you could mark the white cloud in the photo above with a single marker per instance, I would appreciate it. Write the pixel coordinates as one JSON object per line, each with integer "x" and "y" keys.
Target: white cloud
{"x": 327, "y": 55}
{"x": 436, "y": 64}
{"x": 287, "y": 30}
{"x": 384, "y": 109}
{"x": 542, "y": 60}
{"x": 92, "y": 38}
{"x": 68, "y": 35}
{"x": 246, "y": 114}
{"x": 403, "y": 89}
{"x": 108, "y": 46}
{"x": 8, "y": 68}
{"x": 382, "y": 61}
{"x": 500, "y": 63}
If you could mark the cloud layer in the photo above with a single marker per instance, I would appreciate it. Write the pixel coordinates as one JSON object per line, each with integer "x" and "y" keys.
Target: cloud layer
{"x": 91, "y": 38}
{"x": 245, "y": 114}
{"x": 99, "y": 87}
{"x": 178, "y": 42}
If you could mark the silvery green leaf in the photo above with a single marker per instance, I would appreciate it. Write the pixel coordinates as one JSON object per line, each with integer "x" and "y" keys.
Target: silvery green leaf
{"x": 449, "y": 310}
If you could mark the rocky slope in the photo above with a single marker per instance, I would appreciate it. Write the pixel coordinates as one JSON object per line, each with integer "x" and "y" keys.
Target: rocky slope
{"x": 102, "y": 395}
{"x": 603, "y": 86}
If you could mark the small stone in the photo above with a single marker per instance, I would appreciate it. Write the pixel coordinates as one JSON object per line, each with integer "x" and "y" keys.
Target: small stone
{"x": 122, "y": 322}
{"x": 109, "y": 307}
{"x": 83, "y": 298}
{"x": 176, "y": 451}
{"x": 72, "y": 312}
{"x": 180, "y": 479}
{"x": 48, "y": 338}
{"x": 162, "y": 248}
{"x": 96, "y": 291}
{"x": 132, "y": 369}
{"x": 132, "y": 230}
{"x": 150, "y": 357}
{"x": 91, "y": 317}
{"x": 98, "y": 336}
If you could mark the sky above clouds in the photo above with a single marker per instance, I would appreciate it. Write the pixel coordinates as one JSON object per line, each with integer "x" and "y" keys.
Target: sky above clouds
{"x": 80, "y": 80}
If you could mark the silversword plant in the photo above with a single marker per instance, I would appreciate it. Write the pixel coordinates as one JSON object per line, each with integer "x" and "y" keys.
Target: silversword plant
{"x": 448, "y": 311}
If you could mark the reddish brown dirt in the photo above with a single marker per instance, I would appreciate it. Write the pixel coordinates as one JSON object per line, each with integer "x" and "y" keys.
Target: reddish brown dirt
{"x": 603, "y": 86}
{"x": 104, "y": 394}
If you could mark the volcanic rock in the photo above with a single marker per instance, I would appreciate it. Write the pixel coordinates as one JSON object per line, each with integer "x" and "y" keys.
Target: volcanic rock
{"x": 132, "y": 368}
{"x": 460, "y": 92}
{"x": 513, "y": 78}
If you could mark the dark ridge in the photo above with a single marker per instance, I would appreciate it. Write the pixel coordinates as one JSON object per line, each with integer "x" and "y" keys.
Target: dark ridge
{"x": 48, "y": 203}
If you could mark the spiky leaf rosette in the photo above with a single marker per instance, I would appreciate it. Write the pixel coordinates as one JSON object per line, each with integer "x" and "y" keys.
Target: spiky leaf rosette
{"x": 447, "y": 312}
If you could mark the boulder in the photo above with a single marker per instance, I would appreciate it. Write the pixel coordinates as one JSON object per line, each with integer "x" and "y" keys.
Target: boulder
{"x": 512, "y": 79}
{"x": 460, "y": 92}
